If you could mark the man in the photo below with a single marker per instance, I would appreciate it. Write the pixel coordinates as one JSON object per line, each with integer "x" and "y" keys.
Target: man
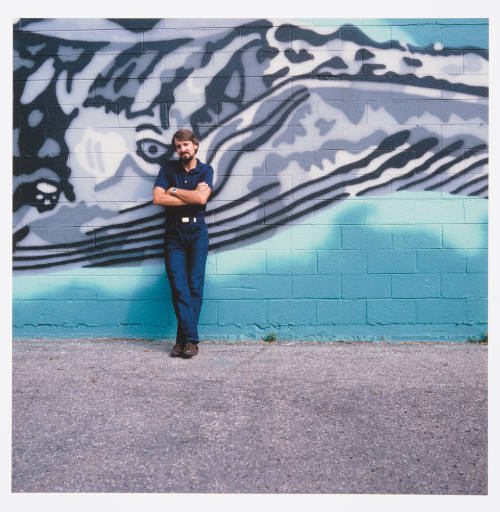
{"x": 183, "y": 186}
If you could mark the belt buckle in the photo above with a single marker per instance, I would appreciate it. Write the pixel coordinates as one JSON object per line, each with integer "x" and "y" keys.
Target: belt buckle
{"x": 185, "y": 219}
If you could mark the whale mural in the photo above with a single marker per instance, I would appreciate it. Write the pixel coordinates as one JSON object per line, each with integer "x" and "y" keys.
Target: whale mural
{"x": 350, "y": 197}
{"x": 293, "y": 119}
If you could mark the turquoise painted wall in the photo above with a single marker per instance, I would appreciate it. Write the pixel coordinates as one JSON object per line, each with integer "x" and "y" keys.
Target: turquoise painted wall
{"x": 351, "y": 176}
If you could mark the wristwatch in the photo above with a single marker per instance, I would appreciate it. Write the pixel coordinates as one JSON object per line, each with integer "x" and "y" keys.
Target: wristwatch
{"x": 173, "y": 191}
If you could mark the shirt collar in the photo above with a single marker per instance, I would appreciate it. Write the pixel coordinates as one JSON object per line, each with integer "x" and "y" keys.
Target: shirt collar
{"x": 194, "y": 170}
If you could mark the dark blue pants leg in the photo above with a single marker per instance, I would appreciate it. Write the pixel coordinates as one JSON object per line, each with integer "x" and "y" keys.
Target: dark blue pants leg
{"x": 186, "y": 248}
{"x": 197, "y": 258}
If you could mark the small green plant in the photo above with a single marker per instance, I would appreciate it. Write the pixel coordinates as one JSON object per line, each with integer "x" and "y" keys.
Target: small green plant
{"x": 483, "y": 339}
{"x": 270, "y": 337}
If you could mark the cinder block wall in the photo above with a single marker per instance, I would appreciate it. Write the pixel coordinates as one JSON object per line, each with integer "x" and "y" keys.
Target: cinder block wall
{"x": 351, "y": 193}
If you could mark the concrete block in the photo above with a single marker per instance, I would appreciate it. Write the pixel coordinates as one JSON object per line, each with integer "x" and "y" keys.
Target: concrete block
{"x": 350, "y": 211}
{"x": 377, "y": 32}
{"x": 62, "y": 235}
{"x": 440, "y": 261}
{"x": 392, "y": 112}
{"x": 387, "y": 261}
{"x": 303, "y": 187}
{"x": 389, "y": 211}
{"x": 70, "y": 313}
{"x": 291, "y": 312}
{"x": 418, "y": 236}
{"x": 278, "y": 262}
{"x": 465, "y": 36}
{"x": 285, "y": 212}
{"x": 254, "y": 85}
{"x": 316, "y": 286}
{"x": 288, "y": 262}
{"x": 211, "y": 266}
{"x": 240, "y": 261}
{"x": 268, "y": 138}
{"x": 252, "y": 183}
{"x": 463, "y": 21}
{"x": 247, "y": 287}
{"x": 84, "y": 190}
{"x": 439, "y": 211}
{"x": 276, "y": 238}
{"x": 366, "y": 237}
{"x": 390, "y": 311}
{"x": 469, "y": 133}
{"x": 127, "y": 188}
{"x": 362, "y": 286}
{"x": 303, "y": 262}
{"x": 465, "y": 236}
{"x": 281, "y": 163}
{"x": 341, "y": 312}
{"x": 475, "y": 65}
{"x": 218, "y": 90}
{"x": 476, "y": 211}
{"x": 145, "y": 268}
{"x": 476, "y": 310}
{"x": 327, "y": 89}
{"x": 128, "y": 287}
{"x": 415, "y": 35}
{"x": 299, "y": 43}
{"x": 443, "y": 112}
{"x": 477, "y": 260}
{"x": 304, "y": 138}
{"x": 208, "y": 314}
{"x": 366, "y": 136}
{"x": 415, "y": 286}
{"x": 344, "y": 112}
{"x": 440, "y": 311}
{"x": 316, "y": 237}
{"x": 74, "y": 287}
{"x": 150, "y": 312}
{"x": 342, "y": 261}
{"x": 241, "y": 312}
{"x": 466, "y": 286}
{"x": 408, "y": 92}
{"x": 250, "y": 163}
{"x": 237, "y": 214}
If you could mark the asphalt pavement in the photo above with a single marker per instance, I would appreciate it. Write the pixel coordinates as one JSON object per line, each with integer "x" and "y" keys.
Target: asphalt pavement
{"x": 111, "y": 415}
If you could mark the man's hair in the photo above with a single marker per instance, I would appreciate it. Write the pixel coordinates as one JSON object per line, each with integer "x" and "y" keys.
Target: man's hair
{"x": 185, "y": 134}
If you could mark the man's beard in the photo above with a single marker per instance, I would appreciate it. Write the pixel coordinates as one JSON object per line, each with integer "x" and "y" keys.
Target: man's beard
{"x": 186, "y": 157}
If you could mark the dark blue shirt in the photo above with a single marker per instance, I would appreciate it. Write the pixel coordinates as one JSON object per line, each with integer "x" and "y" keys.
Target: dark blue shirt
{"x": 172, "y": 174}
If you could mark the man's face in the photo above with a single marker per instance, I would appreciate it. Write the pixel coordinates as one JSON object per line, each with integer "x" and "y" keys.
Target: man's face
{"x": 185, "y": 149}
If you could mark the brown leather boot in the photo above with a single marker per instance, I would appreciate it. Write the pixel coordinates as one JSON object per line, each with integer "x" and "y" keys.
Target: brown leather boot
{"x": 178, "y": 350}
{"x": 190, "y": 350}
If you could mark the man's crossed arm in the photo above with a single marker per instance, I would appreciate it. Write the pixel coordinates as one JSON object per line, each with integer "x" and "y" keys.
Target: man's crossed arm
{"x": 182, "y": 197}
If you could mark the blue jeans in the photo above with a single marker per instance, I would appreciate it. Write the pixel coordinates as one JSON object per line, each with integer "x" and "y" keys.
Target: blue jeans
{"x": 186, "y": 249}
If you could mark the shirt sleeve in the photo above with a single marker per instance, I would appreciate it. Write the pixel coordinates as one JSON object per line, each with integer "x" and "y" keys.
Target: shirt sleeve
{"x": 208, "y": 177}
{"x": 161, "y": 180}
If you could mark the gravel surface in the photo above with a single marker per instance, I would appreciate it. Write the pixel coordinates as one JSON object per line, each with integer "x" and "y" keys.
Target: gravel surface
{"x": 356, "y": 418}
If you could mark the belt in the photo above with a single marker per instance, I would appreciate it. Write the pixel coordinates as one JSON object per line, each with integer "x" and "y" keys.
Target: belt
{"x": 186, "y": 220}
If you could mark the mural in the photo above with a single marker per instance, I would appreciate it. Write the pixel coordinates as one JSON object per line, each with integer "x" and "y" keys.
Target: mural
{"x": 280, "y": 112}
{"x": 351, "y": 175}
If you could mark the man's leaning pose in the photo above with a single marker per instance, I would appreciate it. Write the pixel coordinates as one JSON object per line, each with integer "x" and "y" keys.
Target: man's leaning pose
{"x": 183, "y": 186}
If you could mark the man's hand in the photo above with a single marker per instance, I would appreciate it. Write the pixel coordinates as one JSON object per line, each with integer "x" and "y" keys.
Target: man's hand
{"x": 202, "y": 186}
{"x": 165, "y": 198}
{"x": 199, "y": 195}
{"x": 182, "y": 197}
